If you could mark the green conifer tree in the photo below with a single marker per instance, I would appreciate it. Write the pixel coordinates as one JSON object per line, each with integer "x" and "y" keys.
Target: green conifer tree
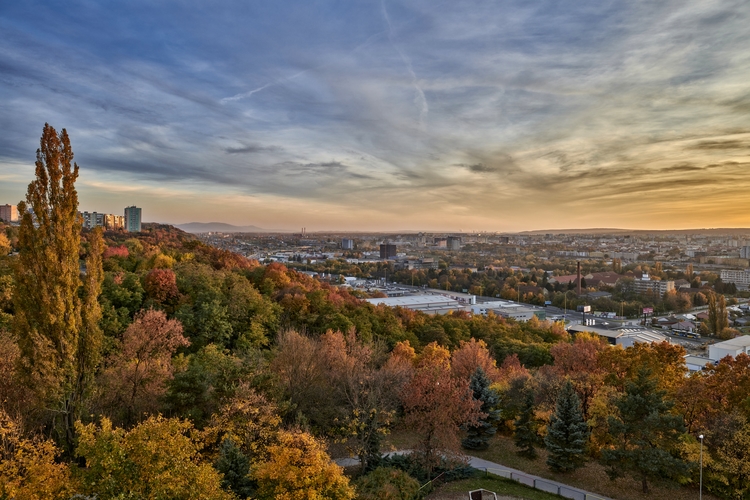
{"x": 235, "y": 467}
{"x": 478, "y": 435}
{"x": 525, "y": 436}
{"x": 646, "y": 433}
{"x": 567, "y": 432}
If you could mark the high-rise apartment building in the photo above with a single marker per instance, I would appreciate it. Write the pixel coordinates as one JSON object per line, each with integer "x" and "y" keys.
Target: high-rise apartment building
{"x": 108, "y": 221}
{"x": 387, "y": 251}
{"x": 9, "y": 213}
{"x": 347, "y": 244}
{"x": 132, "y": 219}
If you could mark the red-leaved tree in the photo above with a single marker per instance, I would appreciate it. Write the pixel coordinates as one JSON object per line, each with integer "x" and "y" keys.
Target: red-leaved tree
{"x": 136, "y": 376}
{"x": 436, "y": 405}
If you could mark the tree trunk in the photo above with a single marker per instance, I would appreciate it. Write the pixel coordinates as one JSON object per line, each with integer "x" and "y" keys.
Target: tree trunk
{"x": 645, "y": 486}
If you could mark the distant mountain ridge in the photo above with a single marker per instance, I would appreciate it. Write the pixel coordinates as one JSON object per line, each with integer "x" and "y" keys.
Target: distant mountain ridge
{"x": 217, "y": 227}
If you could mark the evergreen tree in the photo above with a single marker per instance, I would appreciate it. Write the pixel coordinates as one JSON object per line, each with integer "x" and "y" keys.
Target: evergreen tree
{"x": 567, "y": 433}
{"x": 478, "y": 435}
{"x": 59, "y": 339}
{"x": 235, "y": 467}
{"x": 525, "y": 436}
{"x": 646, "y": 434}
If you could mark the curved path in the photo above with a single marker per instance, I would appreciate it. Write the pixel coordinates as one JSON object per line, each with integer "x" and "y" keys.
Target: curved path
{"x": 530, "y": 480}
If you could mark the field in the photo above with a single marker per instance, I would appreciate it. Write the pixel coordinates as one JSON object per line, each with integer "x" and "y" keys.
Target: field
{"x": 591, "y": 477}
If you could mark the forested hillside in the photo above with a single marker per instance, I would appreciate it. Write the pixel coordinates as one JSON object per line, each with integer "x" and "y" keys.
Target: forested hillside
{"x": 153, "y": 366}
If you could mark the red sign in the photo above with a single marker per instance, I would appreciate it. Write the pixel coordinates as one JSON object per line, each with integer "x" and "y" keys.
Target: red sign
{"x": 648, "y": 310}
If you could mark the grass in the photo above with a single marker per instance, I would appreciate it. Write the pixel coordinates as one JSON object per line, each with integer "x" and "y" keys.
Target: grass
{"x": 503, "y": 487}
{"x": 592, "y": 477}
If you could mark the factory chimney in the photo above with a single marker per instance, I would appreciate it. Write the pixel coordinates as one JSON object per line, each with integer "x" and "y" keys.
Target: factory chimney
{"x": 578, "y": 276}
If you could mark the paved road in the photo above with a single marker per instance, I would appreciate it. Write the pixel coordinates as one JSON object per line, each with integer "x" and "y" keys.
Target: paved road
{"x": 525, "y": 478}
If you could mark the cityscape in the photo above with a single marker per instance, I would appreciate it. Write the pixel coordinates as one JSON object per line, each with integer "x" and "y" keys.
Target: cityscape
{"x": 376, "y": 250}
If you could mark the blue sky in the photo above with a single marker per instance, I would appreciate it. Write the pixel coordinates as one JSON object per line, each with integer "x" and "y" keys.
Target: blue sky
{"x": 470, "y": 115}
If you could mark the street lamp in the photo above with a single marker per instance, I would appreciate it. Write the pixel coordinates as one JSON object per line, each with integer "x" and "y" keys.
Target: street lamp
{"x": 700, "y": 488}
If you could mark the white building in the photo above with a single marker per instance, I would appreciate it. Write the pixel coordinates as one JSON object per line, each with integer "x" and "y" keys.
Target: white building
{"x": 731, "y": 347}
{"x": 430, "y": 304}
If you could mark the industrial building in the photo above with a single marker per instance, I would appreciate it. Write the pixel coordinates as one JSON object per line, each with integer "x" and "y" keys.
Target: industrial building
{"x": 430, "y": 304}
{"x": 624, "y": 336}
{"x": 731, "y": 347}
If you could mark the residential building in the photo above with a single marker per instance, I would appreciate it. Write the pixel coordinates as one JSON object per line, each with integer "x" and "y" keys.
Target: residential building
{"x": 133, "y": 219}
{"x": 645, "y": 285}
{"x": 347, "y": 244}
{"x": 108, "y": 221}
{"x": 453, "y": 243}
{"x": 739, "y": 278}
{"x": 9, "y": 213}
{"x": 387, "y": 251}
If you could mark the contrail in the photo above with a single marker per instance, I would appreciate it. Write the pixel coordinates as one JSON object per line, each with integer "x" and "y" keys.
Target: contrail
{"x": 420, "y": 100}
{"x": 243, "y": 95}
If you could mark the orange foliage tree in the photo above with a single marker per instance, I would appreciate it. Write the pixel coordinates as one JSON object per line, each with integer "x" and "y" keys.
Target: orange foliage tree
{"x": 136, "y": 376}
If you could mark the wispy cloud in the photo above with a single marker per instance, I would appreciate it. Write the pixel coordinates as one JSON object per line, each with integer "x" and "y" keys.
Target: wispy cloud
{"x": 510, "y": 114}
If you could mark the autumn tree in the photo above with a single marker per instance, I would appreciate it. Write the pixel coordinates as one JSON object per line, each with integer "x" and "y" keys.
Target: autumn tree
{"x": 136, "y": 376}
{"x": 298, "y": 467}
{"x": 159, "y": 458}
{"x": 366, "y": 392}
{"x": 471, "y": 355}
{"x": 30, "y": 468}
{"x": 717, "y": 320}
{"x": 436, "y": 405}
{"x": 645, "y": 434}
{"x": 56, "y": 314}
{"x": 567, "y": 432}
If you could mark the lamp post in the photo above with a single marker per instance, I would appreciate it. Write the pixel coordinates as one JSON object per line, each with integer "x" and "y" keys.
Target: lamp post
{"x": 700, "y": 488}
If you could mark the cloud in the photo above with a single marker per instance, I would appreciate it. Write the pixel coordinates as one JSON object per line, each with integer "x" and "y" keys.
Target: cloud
{"x": 481, "y": 113}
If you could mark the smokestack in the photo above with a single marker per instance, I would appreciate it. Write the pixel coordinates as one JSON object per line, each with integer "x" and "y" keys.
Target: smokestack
{"x": 578, "y": 276}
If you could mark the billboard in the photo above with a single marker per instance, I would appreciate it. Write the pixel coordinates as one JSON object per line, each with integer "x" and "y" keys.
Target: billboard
{"x": 584, "y": 309}
{"x": 648, "y": 310}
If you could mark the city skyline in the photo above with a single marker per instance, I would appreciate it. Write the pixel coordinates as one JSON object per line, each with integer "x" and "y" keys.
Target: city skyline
{"x": 386, "y": 116}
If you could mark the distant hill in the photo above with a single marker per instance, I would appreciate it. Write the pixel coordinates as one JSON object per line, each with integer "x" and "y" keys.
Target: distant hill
{"x": 217, "y": 227}
{"x": 704, "y": 231}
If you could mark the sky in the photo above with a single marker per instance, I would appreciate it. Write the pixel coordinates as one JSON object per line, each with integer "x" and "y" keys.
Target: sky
{"x": 383, "y": 115}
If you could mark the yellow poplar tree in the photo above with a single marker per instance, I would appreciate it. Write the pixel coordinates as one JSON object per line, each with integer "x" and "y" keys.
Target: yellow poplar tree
{"x": 57, "y": 330}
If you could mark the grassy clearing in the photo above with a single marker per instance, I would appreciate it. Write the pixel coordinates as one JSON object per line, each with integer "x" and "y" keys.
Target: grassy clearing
{"x": 505, "y": 489}
{"x": 591, "y": 477}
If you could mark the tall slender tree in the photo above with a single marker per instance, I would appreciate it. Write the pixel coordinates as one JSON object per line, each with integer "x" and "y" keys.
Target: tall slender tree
{"x": 58, "y": 340}
{"x": 568, "y": 432}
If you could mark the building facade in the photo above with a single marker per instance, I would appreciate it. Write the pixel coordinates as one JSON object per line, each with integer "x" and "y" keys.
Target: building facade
{"x": 658, "y": 288}
{"x": 133, "y": 219}
{"x": 454, "y": 243}
{"x": 387, "y": 251}
{"x": 107, "y": 221}
{"x": 347, "y": 244}
{"x": 739, "y": 278}
{"x": 9, "y": 213}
